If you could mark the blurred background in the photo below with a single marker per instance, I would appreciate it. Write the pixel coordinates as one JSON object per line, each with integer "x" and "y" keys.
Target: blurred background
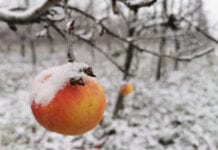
{"x": 164, "y": 49}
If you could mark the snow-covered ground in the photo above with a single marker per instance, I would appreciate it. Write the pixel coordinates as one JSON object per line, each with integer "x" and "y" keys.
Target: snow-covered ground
{"x": 180, "y": 112}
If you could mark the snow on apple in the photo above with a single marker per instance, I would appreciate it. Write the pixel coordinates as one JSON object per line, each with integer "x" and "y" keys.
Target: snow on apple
{"x": 51, "y": 80}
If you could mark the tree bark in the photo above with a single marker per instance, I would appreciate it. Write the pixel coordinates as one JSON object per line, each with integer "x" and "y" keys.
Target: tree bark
{"x": 162, "y": 43}
{"x": 160, "y": 59}
{"x": 119, "y": 103}
{"x": 33, "y": 52}
{"x": 177, "y": 47}
{"x": 129, "y": 57}
{"x": 22, "y": 46}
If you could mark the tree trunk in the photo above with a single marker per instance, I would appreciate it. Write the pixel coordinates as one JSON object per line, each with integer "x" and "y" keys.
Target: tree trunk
{"x": 22, "y": 46}
{"x": 51, "y": 44}
{"x": 32, "y": 46}
{"x": 33, "y": 51}
{"x": 160, "y": 59}
{"x": 162, "y": 43}
{"x": 129, "y": 57}
{"x": 177, "y": 47}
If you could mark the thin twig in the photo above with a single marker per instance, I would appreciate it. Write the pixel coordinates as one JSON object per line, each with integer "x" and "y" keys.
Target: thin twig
{"x": 107, "y": 30}
{"x": 102, "y": 52}
{"x": 92, "y": 45}
{"x": 207, "y": 35}
{"x": 197, "y": 55}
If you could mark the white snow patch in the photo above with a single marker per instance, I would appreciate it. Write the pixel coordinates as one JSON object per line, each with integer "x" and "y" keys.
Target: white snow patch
{"x": 12, "y": 4}
{"x": 50, "y": 81}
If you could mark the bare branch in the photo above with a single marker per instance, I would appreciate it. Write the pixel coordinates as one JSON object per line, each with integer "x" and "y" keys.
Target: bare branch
{"x": 57, "y": 30}
{"x": 107, "y": 30}
{"x": 194, "y": 56}
{"x": 29, "y": 15}
{"x": 207, "y": 35}
{"x": 92, "y": 45}
{"x": 102, "y": 52}
{"x": 186, "y": 58}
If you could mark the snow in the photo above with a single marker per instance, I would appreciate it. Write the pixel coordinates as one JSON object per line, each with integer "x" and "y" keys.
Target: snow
{"x": 133, "y": 2}
{"x": 42, "y": 33}
{"x": 50, "y": 81}
{"x": 182, "y": 107}
{"x": 11, "y": 4}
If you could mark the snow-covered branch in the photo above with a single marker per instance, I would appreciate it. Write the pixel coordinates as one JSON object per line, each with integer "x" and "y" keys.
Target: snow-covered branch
{"x": 136, "y": 5}
{"x": 26, "y": 16}
{"x": 90, "y": 43}
{"x": 111, "y": 33}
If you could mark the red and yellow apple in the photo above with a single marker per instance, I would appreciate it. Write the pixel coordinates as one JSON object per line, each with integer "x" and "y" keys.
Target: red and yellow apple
{"x": 126, "y": 88}
{"x": 74, "y": 110}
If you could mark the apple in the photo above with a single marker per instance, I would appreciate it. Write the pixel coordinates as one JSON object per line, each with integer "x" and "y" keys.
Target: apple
{"x": 126, "y": 88}
{"x": 74, "y": 109}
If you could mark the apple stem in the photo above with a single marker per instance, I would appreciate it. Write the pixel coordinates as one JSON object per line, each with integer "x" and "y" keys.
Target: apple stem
{"x": 69, "y": 57}
{"x": 70, "y": 26}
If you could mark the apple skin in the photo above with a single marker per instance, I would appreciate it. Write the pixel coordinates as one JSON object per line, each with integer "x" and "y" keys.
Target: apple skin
{"x": 74, "y": 110}
{"x": 126, "y": 88}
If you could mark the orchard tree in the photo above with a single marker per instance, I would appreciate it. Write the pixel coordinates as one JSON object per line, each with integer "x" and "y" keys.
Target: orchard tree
{"x": 162, "y": 32}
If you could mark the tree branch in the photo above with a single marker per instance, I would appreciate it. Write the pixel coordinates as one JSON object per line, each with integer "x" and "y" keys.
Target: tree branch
{"x": 92, "y": 45}
{"x": 207, "y": 35}
{"x": 27, "y": 16}
{"x": 102, "y": 52}
{"x": 107, "y": 30}
{"x": 197, "y": 55}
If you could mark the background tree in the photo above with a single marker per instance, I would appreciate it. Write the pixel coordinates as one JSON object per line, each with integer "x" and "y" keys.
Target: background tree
{"x": 170, "y": 32}
{"x": 139, "y": 42}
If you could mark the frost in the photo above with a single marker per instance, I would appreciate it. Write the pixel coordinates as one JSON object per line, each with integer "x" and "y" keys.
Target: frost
{"x": 42, "y": 33}
{"x": 182, "y": 107}
{"x": 52, "y": 80}
{"x": 11, "y": 4}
